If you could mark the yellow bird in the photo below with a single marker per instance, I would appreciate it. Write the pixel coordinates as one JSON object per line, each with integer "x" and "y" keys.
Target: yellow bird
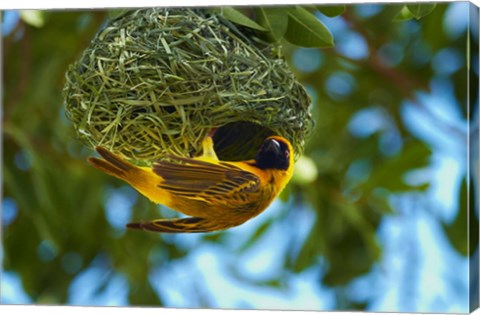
{"x": 216, "y": 195}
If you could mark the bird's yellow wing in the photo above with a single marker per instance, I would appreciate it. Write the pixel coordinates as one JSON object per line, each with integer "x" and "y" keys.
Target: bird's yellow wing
{"x": 197, "y": 179}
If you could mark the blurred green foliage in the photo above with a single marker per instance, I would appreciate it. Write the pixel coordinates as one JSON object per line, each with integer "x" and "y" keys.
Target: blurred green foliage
{"x": 61, "y": 200}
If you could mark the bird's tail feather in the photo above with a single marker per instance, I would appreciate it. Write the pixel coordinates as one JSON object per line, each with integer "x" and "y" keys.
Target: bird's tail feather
{"x": 183, "y": 225}
{"x": 112, "y": 164}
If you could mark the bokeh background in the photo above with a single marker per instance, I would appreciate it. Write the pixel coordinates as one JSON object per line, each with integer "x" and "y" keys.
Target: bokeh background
{"x": 377, "y": 217}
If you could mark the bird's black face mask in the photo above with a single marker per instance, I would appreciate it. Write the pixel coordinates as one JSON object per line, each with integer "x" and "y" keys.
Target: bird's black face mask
{"x": 273, "y": 154}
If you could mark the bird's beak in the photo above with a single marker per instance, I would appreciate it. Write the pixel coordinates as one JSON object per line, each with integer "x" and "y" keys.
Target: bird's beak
{"x": 273, "y": 146}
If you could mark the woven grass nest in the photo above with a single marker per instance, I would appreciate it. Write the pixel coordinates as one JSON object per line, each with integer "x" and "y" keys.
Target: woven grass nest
{"x": 155, "y": 82}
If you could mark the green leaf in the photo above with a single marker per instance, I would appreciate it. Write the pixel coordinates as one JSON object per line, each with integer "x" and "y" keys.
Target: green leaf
{"x": 389, "y": 174}
{"x": 275, "y": 20}
{"x": 457, "y": 231}
{"x": 331, "y": 10}
{"x": 420, "y": 10}
{"x": 255, "y": 236}
{"x": 114, "y": 13}
{"x": 239, "y": 18}
{"x": 353, "y": 250}
{"x": 305, "y": 30}
{"x": 33, "y": 17}
{"x": 309, "y": 251}
{"x": 403, "y": 15}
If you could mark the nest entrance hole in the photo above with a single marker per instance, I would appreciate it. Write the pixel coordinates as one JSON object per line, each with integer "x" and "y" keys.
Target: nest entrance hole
{"x": 240, "y": 140}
